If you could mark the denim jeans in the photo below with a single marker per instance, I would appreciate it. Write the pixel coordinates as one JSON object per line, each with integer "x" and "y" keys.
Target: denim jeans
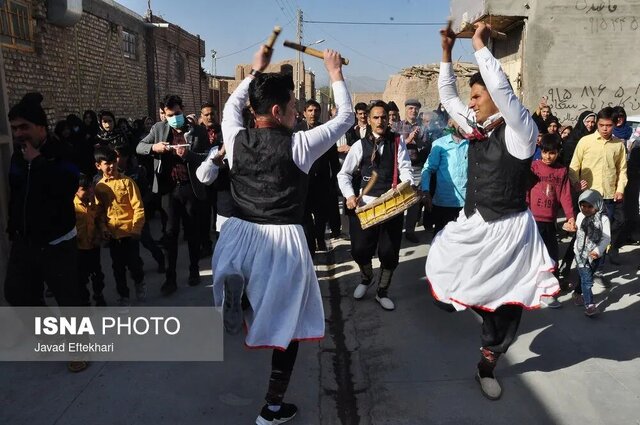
{"x": 586, "y": 281}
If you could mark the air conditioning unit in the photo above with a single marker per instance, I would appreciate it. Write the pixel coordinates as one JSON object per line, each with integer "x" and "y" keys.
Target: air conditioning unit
{"x": 64, "y": 13}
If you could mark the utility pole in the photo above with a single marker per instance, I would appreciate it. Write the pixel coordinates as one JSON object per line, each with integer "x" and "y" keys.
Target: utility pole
{"x": 299, "y": 67}
{"x": 216, "y": 83}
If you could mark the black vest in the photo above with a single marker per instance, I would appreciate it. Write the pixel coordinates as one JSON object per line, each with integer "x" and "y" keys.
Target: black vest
{"x": 266, "y": 185}
{"x": 497, "y": 181}
{"x": 382, "y": 164}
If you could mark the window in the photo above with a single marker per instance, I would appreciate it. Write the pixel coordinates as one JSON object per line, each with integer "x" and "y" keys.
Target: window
{"x": 16, "y": 28}
{"x": 129, "y": 44}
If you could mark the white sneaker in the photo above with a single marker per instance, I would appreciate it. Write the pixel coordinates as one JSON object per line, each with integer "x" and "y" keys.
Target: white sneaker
{"x": 490, "y": 387}
{"x": 386, "y": 303}
{"x": 361, "y": 289}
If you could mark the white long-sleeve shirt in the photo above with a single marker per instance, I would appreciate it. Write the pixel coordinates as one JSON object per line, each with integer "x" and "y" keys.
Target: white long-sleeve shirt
{"x": 307, "y": 146}
{"x": 207, "y": 172}
{"x": 353, "y": 160}
{"x": 521, "y": 131}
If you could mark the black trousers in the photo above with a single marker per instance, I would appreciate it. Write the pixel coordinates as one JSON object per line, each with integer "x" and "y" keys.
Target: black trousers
{"x": 316, "y": 216}
{"x": 282, "y": 363}
{"x": 413, "y": 216}
{"x": 443, "y": 215}
{"x": 333, "y": 210}
{"x": 150, "y": 244}
{"x": 183, "y": 208}
{"x": 31, "y": 265}
{"x": 385, "y": 237}
{"x": 90, "y": 269}
{"x": 125, "y": 254}
{"x": 208, "y": 216}
{"x": 550, "y": 239}
{"x": 499, "y": 327}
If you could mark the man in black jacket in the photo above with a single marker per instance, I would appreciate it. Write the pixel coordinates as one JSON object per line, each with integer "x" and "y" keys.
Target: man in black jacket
{"x": 321, "y": 196}
{"x": 178, "y": 147}
{"x": 42, "y": 220}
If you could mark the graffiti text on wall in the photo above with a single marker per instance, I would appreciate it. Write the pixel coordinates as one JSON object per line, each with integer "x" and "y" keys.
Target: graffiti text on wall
{"x": 568, "y": 103}
{"x": 601, "y": 6}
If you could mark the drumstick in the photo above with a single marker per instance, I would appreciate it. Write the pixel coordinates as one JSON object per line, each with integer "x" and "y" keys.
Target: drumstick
{"x": 272, "y": 38}
{"x": 310, "y": 51}
{"x": 372, "y": 181}
{"x": 466, "y": 26}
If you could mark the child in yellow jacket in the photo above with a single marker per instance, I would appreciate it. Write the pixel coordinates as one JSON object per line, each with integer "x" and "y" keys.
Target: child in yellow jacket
{"x": 122, "y": 218}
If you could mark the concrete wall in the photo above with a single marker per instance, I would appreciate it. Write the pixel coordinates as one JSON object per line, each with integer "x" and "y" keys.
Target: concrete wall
{"x": 578, "y": 53}
{"x": 582, "y": 58}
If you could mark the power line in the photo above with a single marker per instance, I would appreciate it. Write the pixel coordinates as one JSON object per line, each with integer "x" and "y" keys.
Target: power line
{"x": 242, "y": 50}
{"x": 280, "y": 4}
{"x": 395, "y": 68}
{"x": 378, "y": 23}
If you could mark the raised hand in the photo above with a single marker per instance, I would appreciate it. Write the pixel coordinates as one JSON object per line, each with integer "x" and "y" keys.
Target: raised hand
{"x": 481, "y": 36}
{"x": 262, "y": 58}
{"x": 333, "y": 63}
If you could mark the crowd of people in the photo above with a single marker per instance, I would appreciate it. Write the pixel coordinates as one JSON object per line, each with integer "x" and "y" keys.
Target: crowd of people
{"x": 491, "y": 179}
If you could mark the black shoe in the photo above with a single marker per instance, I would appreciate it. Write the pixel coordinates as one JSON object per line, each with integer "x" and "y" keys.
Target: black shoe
{"x": 100, "y": 301}
{"x": 161, "y": 268}
{"x": 411, "y": 237}
{"x": 168, "y": 287}
{"x": 194, "y": 279}
{"x": 286, "y": 413}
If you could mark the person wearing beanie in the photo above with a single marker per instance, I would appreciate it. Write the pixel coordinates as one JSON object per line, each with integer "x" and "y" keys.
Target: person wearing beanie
{"x": 41, "y": 220}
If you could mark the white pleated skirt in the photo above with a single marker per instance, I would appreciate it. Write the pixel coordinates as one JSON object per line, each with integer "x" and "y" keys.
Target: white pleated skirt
{"x": 473, "y": 263}
{"x": 280, "y": 281}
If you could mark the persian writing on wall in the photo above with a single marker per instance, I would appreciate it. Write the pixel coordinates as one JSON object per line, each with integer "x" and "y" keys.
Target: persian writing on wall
{"x": 567, "y": 103}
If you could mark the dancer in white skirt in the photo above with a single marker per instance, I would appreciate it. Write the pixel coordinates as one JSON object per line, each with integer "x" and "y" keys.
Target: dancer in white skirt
{"x": 500, "y": 264}
{"x": 262, "y": 252}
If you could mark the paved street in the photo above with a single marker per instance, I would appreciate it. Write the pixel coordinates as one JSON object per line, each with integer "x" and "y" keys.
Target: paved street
{"x": 411, "y": 366}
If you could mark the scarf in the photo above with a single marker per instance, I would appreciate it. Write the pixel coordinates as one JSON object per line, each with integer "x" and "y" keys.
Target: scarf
{"x": 624, "y": 132}
{"x": 589, "y": 234}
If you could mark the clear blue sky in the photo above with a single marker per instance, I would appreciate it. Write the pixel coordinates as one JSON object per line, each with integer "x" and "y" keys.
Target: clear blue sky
{"x": 374, "y": 51}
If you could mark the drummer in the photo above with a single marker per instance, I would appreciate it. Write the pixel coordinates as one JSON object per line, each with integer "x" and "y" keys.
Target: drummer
{"x": 375, "y": 152}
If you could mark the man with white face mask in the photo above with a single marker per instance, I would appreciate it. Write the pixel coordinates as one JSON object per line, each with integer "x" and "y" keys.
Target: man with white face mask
{"x": 178, "y": 148}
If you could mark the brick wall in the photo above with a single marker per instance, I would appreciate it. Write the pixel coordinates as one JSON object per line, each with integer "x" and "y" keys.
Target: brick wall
{"x": 173, "y": 45}
{"x": 81, "y": 67}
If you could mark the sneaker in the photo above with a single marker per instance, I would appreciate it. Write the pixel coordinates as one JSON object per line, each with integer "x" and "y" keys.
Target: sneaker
{"x": 489, "y": 386}
{"x": 591, "y": 310}
{"x": 232, "y": 314}
{"x": 578, "y": 300}
{"x": 551, "y": 302}
{"x": 100, "y": 301}
{"x": 123, "y": 302}
{"x": 285, "y": 414}
{"x": 141, "y": 291}
{"x": 361, "y": 289}
{"x": 168, "y": 287}
{"x": 385, "y": 302}
{"x": 411, "y": 237}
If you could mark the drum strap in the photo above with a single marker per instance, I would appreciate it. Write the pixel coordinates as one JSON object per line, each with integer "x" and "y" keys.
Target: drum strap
{"x": 396, "y": 144}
